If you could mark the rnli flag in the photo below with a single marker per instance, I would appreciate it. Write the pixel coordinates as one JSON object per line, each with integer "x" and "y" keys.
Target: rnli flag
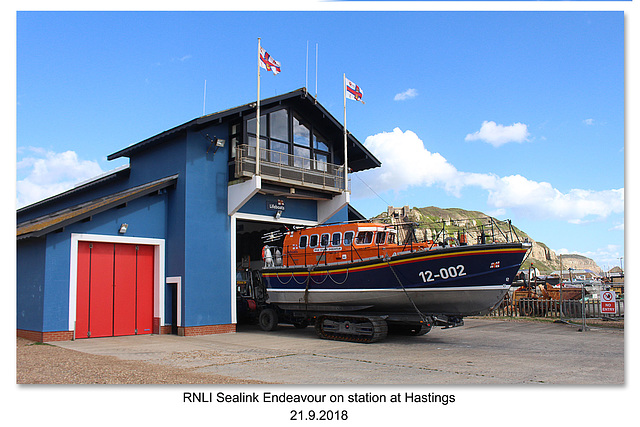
{"x": 268, "y": 63}
{"x": 353, "y": 91}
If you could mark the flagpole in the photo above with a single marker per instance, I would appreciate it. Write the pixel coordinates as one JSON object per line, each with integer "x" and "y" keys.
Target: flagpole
{"x": 258, "y": 117}
{"x": 306, "y": 70}
{"x": 344, "y": 89}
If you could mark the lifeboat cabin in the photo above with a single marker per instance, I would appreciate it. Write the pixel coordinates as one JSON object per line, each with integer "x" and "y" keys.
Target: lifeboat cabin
{"x": 340, "y": 243}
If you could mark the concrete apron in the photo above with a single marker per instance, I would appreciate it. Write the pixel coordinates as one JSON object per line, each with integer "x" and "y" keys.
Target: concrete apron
{"x": 483, "y": 351}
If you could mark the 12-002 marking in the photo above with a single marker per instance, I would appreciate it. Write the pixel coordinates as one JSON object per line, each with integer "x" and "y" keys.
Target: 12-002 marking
{"x": 444, "y": 273}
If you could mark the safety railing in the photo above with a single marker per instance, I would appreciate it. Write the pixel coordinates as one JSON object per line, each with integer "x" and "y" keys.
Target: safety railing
{"x": 531, "y": 307}
{"x": 290, "y": 169}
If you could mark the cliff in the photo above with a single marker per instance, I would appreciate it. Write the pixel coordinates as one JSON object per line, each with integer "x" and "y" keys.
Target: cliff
{"x": 434, "y": 222}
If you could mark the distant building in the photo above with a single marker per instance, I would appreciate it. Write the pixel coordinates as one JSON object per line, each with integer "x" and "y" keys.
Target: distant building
{"x": 576, "y": 274}
{"x": 615, "y": 275}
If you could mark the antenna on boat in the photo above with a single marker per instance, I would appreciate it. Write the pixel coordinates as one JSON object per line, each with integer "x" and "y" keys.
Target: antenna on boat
{"x": 272, "y": 236}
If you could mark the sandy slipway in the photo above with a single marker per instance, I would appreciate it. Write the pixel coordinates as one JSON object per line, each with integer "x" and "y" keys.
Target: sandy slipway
{"x": 484, "y": 351}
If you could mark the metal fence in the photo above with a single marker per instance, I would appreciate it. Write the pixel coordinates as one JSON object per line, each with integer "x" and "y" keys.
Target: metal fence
{"x": 530, "y": 307}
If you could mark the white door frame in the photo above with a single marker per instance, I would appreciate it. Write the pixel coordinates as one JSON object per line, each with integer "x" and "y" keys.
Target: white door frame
{"x": 158, "y": 266}
{"x": 252, "y": 217}
{"x": 177, "y": 280}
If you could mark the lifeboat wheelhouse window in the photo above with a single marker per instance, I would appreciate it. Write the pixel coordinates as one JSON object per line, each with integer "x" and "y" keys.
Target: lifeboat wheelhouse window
{"x": 303, "y": 241}
{"x": 380, "y": 237}
{"x": 364, "y": 237}
{"x": 335, "y": 239}
{"x": 313, "y": 242}
{"x": 324, "y": 239}
{"x": 391, "y": 238}
{"x": 348, "y": 238}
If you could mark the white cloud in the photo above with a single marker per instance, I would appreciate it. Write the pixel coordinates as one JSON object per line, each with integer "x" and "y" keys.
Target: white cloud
{"x": 589, "y": 122}
{"x": 409, "y": 93}
{"x": 406, "y": 162}
{"x": 541, "y": 199}
{"x": 47, "y": 173}
{"x": 498, "y": 135}
{"x": 617, "y": 227}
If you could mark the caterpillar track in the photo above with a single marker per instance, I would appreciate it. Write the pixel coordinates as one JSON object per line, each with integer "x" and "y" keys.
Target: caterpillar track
{"x": 363, "y": 329}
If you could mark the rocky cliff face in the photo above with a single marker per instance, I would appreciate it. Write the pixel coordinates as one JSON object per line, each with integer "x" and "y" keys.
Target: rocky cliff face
{"x": 579, "y": 262}
{"x": 433, "y": 222}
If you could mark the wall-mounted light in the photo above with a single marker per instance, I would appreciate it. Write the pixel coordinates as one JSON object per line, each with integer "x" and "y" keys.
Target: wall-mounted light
{"x": 219, "y": 143}
{"x": 123, "y": 228}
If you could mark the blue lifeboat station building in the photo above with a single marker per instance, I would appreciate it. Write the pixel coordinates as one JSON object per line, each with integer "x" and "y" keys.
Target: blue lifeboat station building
{"x": 153, "y": 247}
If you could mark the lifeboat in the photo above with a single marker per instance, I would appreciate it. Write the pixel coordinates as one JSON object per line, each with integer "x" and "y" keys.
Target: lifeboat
{"x": 341, "y": 274}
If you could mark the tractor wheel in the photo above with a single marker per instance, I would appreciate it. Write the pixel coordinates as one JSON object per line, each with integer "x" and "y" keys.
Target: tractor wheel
{"x": 301, "y": 324}
{"x": 268, "y": 319}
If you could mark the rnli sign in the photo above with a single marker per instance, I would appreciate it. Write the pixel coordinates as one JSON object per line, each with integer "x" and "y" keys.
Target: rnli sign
{"x": 275, "y": 204}
{"x": 607, "y": 302}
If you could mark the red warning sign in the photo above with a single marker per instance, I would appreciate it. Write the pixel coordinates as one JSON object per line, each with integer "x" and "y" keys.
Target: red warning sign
{"x": 607, "y": 302}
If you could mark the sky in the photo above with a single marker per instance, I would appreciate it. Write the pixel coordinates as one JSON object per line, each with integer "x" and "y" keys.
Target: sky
{"x": 519, "y": 115}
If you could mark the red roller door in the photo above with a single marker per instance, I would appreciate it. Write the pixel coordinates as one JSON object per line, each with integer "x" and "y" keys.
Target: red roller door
{"x": 124, "y": 297}
{"x": 114, "y": 289}
{"x": 144, "y": 290}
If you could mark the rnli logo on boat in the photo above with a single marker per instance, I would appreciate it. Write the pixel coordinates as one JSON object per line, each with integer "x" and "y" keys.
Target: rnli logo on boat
{"x": 495, "y": 264}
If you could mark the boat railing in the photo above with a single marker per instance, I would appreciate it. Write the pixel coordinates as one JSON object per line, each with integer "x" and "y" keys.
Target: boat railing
{"x": 438, "y": 232}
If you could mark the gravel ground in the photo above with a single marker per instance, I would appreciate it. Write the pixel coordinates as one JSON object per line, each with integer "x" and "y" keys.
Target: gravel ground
{"x": 47, "y": 364}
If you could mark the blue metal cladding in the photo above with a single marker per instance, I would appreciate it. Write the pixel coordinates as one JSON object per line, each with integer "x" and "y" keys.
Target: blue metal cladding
{"x": 30, "y": 283}
{"x": 164, "y": 160}
{"x": 298, "y": 209}
{"x": 207, "y": 292}
{"x": 341, "y": 216}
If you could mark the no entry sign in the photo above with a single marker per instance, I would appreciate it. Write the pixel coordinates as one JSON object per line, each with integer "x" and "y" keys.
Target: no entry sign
{"x": 607, "y": 302}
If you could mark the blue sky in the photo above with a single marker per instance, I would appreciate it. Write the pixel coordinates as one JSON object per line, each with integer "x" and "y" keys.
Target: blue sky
{"x": 516, "y": 114}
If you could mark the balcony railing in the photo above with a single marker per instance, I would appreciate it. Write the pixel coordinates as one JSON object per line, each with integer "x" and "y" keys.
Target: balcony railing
{"x": 290, "y": 169}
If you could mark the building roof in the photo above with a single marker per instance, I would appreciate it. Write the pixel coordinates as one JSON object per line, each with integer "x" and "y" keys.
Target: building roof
{"x": 354, "y": 215}
{"x": 56, "y": 220}
{"x": 116, "y": 173}
{"x": 359, "y": 157}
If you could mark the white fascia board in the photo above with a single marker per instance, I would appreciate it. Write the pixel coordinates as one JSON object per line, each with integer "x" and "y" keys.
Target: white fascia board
{"x": 239, "y": 194}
